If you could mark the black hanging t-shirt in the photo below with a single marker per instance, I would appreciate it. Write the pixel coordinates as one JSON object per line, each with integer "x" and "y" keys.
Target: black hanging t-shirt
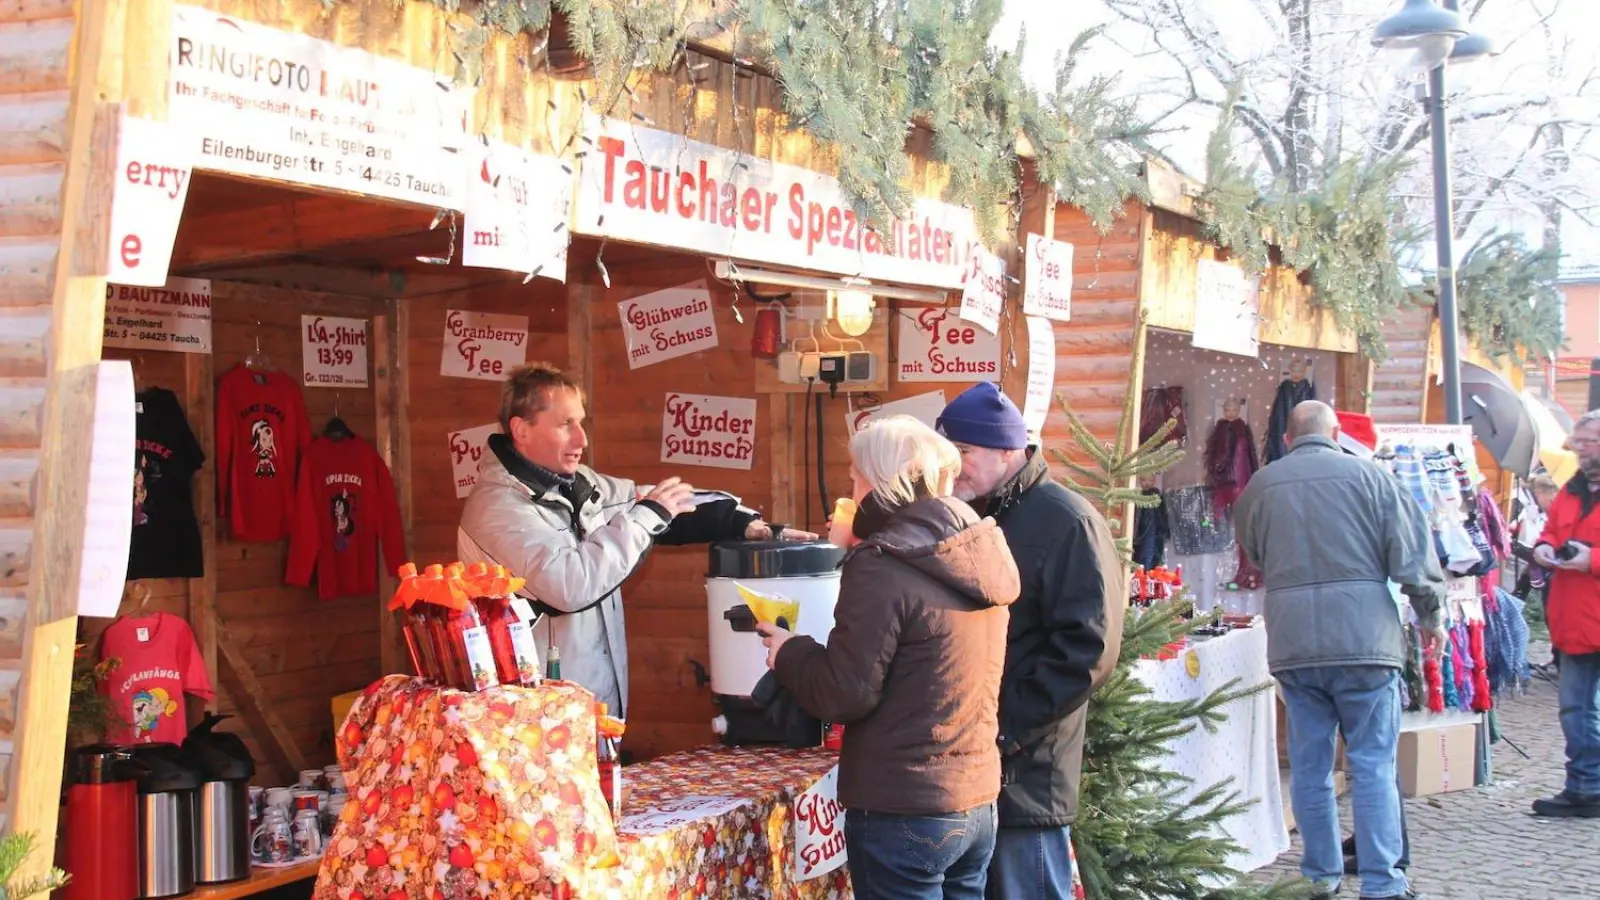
{"x": 166, "y": 537}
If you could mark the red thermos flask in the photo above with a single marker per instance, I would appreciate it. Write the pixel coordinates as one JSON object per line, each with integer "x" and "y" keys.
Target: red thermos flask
{"x": 102, "y": 831}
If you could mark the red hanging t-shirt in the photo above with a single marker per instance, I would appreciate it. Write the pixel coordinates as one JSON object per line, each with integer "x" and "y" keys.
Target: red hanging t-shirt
{"x": 345, "y": 509}
{"x": 160, "y": 662}
{"x": 262, "y": 432}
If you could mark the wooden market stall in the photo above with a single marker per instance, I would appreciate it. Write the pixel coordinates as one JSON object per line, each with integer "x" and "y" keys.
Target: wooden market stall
{"x": 276, "y": 245}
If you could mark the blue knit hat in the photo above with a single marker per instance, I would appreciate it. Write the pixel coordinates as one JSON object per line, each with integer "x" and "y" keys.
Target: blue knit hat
{"x": 982, "y": 416}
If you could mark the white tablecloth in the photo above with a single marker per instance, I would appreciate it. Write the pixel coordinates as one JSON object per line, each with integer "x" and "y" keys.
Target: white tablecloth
{"x": 1245, "y": 747}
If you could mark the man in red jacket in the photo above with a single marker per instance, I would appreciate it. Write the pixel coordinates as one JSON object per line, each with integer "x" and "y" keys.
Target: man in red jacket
{"x": 1571, "y": 534}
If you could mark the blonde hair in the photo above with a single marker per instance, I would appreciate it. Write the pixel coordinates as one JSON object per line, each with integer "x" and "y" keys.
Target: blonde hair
{"x": 903, "y": 460}
{"x": 1543, "y": 482}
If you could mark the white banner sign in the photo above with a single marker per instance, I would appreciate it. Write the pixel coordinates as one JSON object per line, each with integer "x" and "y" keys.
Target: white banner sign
{"x": 108, "y": 520}
{"x": 935, "y": 345}
{"x": 1226, "y": 309}
{"x": 483, "y": 345}
{"x": 175, "y": 316}
{"x": 819, "y": 828}
{"x": 667, "y": 324}
{"x": 256, "y": 101}
{"x": 709, "y": 431}
{"x": 150, "y": 183}
{"x": 985, "y": 292}
{"x": 333, "y": 351}
{"x": 655, "y": 187}
{"x": 467, "y": 448}
{"x": 1041, "y": 374}
{"x": 516, "y": 218}
{"x": 925, "y": 408}
{"x": 1048, "y": 270}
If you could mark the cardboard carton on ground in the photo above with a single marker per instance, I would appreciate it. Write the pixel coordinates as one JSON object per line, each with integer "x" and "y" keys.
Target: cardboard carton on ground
{"x": 1438, "y": 760}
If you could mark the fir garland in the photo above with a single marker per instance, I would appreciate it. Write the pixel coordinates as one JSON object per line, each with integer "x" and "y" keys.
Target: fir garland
{"x": 1507, "y": 297}
{"x": 857, "y": 74}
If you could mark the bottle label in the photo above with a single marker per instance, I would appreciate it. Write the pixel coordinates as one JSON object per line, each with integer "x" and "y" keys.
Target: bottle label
{"x": 480, "y": 657}
{"x": 523, "y": 652}
{"x": 611, "y": 785}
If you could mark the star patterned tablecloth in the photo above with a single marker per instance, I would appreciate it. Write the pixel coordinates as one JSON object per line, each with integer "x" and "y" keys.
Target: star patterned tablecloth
{"x": 1244, "y": 747}
{"x": 495, "y": 795}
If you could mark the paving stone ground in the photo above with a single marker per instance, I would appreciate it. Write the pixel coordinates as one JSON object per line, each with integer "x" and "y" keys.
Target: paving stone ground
{"x": 1482, "y": 844}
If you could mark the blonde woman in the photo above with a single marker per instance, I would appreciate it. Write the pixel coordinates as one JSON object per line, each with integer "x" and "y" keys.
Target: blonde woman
{"x": 912, "y": 668}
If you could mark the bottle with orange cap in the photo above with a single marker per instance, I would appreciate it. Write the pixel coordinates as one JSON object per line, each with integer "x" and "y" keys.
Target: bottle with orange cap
{"x": 413, "y": 624}
{"x": 509, "y": 620}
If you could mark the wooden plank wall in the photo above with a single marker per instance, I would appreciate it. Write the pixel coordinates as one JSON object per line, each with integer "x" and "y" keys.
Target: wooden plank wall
{"x": 290, "y": 670}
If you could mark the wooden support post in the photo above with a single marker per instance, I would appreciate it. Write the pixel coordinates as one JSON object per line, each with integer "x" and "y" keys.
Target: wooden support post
{"x": 581, "y": 299}
{"x": 782, "y": 431}
{"x": 254, "y": 704}
{"x": 200, "y": 407}
{"x": 386, "y": 402}
{"x": 53, "y": 276}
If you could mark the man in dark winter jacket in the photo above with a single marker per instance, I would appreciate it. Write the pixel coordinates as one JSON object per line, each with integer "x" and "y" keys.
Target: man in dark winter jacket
{"x": 1062, "y": 642}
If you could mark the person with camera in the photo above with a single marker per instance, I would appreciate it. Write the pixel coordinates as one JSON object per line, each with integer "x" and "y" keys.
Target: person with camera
{"x": 1572, "y": 609}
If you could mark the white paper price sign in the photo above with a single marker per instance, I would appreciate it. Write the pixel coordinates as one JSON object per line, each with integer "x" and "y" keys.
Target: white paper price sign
{"x": 667, "y": 324}
{"x": 1227, "y": 309}
{"x": 819, "y": 828}
{"x": 467, "y": 447}
{"x": 151, "y": 181}
{"x": 709, "y": 431}
{"x": 985, "y": 291}
{"x": 934, "y": 345}
{"x": 486, "y": 346}
{"x": 1041, "y": 374}
{"x": 1048, "y": 270}
{"x": 333, "y": 351}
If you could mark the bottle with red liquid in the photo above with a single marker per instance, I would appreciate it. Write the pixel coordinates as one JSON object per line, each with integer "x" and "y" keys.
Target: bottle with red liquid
{"x": 608, "y": 732}
{"x": 509, "y": 620}
{"x": 432, "y": 613}
{"x": 469, "y": 639}
{"x": 414, "y": 623}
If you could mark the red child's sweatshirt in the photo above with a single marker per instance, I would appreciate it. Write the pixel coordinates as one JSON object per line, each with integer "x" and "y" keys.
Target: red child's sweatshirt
{"x": 345, "y": 509}
{"x": 262, "y": 432}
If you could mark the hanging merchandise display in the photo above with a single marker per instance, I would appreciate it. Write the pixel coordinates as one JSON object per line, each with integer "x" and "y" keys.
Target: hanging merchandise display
{"x": 345, "y": 511}
{"x": 1160, "y": 404}
{"x": 262, "y": 433}
{"x": 1230, "y": 460}
{"x": 166, "y": 536}
{"x": 1292, "y": 391}
{"x": 1193, "y": 521}
{"x": 1150, "y": 532}
{"x": 160, "y": 662}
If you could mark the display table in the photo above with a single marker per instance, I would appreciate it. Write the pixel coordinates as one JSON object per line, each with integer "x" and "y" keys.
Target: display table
{"x": 1243, "y": 748}
{"x": 495, "y": 794}
{"x": 260, "y": 880}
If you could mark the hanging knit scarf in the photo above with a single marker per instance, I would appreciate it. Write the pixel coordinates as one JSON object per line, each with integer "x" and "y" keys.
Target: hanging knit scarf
{"x": 1447, "y": 676}
{"x": 1435, "y": 678}
{"x": 1481, "y": 699}
{"x": 1413, "y": 691}
{"x": 1461, "y": 662}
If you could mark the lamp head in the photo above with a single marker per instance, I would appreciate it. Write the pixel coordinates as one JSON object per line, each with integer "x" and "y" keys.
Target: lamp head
{"x": 1420, "y": 25}
{"x": 851, "y": 311}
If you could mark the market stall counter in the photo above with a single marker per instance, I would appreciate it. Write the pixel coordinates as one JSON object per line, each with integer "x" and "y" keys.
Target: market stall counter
{"x": 495, "y": 794}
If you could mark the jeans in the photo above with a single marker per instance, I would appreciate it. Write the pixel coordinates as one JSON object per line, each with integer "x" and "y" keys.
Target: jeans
{"x": 1032, "y": 864}
{"x": 1364, "y": 703}
{"x": 1580, "y": 721}
{"x": 943, "y": 857}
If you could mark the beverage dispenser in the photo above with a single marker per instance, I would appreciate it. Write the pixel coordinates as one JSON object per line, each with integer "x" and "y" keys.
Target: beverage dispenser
{"x": 102, "y": 831}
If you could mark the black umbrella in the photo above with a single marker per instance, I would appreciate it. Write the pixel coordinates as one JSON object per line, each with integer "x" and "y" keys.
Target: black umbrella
{"x": 1499, "y": 420}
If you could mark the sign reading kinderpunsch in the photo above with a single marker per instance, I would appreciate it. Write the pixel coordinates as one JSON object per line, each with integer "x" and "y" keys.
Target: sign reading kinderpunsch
{"x": 270, "y": 104}
{"x": 709, "y": 431}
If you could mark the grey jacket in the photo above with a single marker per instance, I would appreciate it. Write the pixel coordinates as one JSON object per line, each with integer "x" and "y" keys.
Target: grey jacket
{"x": 532, "y": 534}
{"x": 1329, "y": 531}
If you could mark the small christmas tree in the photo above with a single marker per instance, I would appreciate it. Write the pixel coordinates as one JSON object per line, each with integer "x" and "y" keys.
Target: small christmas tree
{"x": 1137, "y": 837}
{"x": 14, "y": 851}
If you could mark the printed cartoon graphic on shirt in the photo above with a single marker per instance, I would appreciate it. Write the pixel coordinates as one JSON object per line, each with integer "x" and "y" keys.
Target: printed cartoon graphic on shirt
{"x": 261, "y": 443}
{"x": 149, "y": 707}
{"x": 144, "y": 477}
{"x": 344, "y": 521}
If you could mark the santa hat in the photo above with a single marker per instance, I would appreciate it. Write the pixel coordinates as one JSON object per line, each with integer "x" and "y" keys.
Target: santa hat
{"x": 1357, "y": 434}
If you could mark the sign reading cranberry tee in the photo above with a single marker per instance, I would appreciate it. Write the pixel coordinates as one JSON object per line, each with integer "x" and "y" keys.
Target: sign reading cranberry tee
{"x": 262, "y": 432}
{"x": 160, "y": 662}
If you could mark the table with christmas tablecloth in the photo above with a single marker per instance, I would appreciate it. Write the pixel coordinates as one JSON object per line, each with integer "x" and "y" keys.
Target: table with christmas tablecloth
{"x": 495, "y": 794}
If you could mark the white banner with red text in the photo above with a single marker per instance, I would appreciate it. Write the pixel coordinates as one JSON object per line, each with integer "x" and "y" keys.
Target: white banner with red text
{"x": 486, "y": 346}
{"x": 719, "y": 432}
{"x": 984, "y": 294}
{"x": 516, "y": 216}
{"x": 333, "y": 351}
{"x": 655, "y": 187}
{"x": 1047, "y": 288}
{"x": 175, "y": 316}
{"x": 149, "y": 185}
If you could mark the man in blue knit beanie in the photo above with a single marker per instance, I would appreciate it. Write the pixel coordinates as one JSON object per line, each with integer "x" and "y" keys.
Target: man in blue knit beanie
{"x": 1062, "y": 643}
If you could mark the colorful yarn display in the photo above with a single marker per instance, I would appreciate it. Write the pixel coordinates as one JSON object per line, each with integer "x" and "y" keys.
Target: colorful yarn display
{"x": 1447, "y": 674}
{"x": 1481, "y": 700}
{"x": 1414, "y": 690}
{"x": 1435, "y": 679}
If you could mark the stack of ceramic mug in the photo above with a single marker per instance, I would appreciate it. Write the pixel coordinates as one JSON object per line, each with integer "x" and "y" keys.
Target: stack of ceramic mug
{"x": 292, "y": 824}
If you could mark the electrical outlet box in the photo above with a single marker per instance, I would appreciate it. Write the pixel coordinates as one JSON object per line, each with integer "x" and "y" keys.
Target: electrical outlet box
{"x": 789, "y": 367}
{"x": 810, "y": 313}
{"x": 830, "y": 368}
{"x": 837, "y": 367}
{"x": 859, "y": 366}
{"x": 809, "y": 364}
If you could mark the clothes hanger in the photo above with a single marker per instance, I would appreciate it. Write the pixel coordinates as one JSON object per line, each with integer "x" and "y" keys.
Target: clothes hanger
{"x": 336, "y": 429}
{"x": 258, "y": 361}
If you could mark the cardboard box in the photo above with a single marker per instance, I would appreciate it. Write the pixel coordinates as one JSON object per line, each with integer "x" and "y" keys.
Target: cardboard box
{"x": 341, "y": 708}
{"x": 1438, "y": 760}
